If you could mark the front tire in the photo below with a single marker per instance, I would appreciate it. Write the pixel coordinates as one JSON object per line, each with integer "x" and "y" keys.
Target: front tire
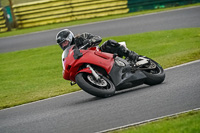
{"x": 103, "y": 88}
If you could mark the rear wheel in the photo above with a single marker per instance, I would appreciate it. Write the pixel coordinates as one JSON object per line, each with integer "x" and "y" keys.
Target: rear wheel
{"x": 154, "y": 72}
{"x": 99, "y": 88}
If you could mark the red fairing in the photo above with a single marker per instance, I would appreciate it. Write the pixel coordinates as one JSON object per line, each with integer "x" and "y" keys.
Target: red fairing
{"x": 90, "y": 56}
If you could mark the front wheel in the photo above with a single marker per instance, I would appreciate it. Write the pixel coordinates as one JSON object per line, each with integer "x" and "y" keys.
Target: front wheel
{"x": 154, "y": 72}
{"x": 101, "y": 88}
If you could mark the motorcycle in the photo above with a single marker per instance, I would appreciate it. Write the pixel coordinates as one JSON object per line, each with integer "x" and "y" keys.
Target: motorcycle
{"x": 102, "y": 74}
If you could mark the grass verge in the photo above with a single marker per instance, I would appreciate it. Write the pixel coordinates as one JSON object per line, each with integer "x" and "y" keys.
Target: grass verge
{"x": 182, "y": 123}
{"x": 78, "y": 22}
{"x": 34, "y": 74}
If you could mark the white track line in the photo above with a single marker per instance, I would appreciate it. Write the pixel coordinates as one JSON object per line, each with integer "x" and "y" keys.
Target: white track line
{"x": 182, "y": 65}
{"x": 147, "y": 121}
{"x": 41, "y": 100}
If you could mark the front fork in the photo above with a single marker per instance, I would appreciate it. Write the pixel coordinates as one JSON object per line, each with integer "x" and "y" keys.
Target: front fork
{"x": 94, "y": 73}
{"x": 96, "y": 76}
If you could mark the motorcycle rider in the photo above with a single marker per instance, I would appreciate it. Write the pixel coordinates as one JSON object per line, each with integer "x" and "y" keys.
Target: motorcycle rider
{"x": 66, "y": 38}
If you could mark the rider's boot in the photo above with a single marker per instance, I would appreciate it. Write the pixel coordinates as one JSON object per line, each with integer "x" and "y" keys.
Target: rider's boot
{"x": 112, "y": 46}
{"x": 132, "y": 56}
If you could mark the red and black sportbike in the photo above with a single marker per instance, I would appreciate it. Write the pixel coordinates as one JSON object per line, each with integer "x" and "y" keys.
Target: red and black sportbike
{"x": 101, "y": 74}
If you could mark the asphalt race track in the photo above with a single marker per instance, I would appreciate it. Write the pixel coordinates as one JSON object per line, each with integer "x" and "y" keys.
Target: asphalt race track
{"x": 82, "y": 113}
{"x": 181, "y": 18}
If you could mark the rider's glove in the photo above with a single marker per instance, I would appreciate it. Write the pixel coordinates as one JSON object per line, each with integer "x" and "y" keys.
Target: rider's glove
{"x": 133, "y": 56}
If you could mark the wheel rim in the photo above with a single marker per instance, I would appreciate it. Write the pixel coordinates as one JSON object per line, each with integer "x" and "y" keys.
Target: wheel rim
{"x": 101, "y": 82}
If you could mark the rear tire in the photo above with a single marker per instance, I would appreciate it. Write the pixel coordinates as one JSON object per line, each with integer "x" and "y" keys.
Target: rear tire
{"x": 87, "y": 82}
{"x": 154, "y": 76}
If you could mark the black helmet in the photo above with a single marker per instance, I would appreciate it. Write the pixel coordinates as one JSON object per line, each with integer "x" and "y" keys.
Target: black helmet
{"x": 65, "y": 38}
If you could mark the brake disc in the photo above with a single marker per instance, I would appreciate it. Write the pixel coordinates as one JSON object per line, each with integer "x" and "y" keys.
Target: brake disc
{"x": 101, "y": 82}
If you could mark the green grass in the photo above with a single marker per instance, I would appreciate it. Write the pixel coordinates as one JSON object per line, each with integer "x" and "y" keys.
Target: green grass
{"x": 183, "y": 123}
{"x": 78, "y": 22}
{"x": 35, "y": 74}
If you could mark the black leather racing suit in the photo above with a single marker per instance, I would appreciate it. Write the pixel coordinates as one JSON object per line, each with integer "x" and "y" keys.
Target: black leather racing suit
{"x": 109, "y": 46}
{"x": 85, "y": 38}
